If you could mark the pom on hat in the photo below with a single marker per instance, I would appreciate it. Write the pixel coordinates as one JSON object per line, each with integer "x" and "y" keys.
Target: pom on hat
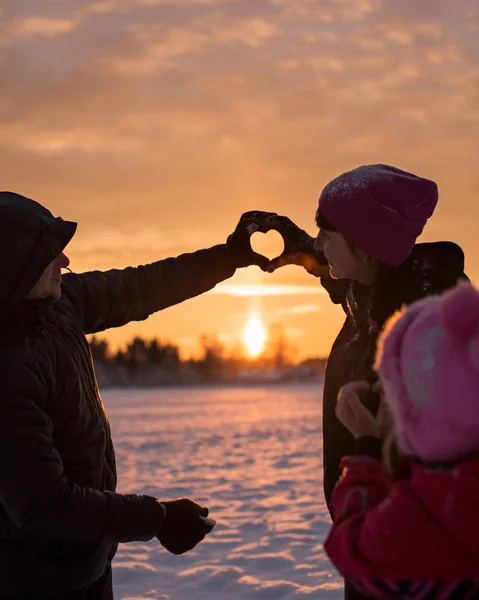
{"x": 460, "y": 311}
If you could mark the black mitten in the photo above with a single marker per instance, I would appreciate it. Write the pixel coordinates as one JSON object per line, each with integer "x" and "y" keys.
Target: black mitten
{"x": 185, "y": 525}
{"x": 239, "y": 241}
{"x": 298, "y": 247}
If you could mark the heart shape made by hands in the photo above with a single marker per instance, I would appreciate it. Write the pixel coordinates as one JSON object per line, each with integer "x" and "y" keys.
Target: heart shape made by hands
{"x": 269, "y": 244}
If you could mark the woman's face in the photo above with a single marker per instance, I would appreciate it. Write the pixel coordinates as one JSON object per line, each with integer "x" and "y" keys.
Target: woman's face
{"x": 345, "y": 262}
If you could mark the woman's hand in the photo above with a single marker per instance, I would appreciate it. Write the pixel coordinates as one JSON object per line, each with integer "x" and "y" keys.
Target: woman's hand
{"x": 352, "y": 413}
{"x": 298, "y": 246}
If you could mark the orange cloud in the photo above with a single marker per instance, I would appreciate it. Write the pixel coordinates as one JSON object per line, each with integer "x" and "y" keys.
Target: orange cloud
{"x": 42, "y": 26}
{"x": 250, "y": 32}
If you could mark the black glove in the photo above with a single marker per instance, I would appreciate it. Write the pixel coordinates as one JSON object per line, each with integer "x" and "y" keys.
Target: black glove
{"x": 185, "y": 525}
{"x": 298, "y": 247}
{"x": 239, "y": 241}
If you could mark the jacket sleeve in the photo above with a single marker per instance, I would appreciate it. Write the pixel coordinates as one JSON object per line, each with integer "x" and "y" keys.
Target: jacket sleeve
{"x": 382, "y": 534}
{"x": 114, "y": 298}
{"x": 362, "y": 486}
{"x": 34, "y": 490}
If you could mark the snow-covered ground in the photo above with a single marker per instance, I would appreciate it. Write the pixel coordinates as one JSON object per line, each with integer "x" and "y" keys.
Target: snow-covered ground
{"x": 253, "y": 456}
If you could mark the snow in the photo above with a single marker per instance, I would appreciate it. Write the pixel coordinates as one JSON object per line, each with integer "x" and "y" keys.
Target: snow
{"x": 253, "y": 456}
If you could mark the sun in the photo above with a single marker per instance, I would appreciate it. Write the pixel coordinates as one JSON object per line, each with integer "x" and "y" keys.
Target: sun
{"x": 254, "y": 334}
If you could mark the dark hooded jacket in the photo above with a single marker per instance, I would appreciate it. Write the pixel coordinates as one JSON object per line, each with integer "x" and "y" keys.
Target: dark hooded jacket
{"x": 60, "y": 518}
{"x": 443, "y": 265}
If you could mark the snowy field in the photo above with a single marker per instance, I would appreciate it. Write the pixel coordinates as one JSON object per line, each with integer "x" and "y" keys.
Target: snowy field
{"x": 253, "y": 456}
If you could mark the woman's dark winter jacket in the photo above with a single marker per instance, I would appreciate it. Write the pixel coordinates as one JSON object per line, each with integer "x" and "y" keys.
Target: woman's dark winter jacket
{"x": 443, "y": 266}
{"x": 60, "y": 518}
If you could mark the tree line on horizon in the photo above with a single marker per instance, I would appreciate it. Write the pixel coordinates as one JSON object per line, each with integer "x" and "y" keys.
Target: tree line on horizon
{"x": 143, "y": 358}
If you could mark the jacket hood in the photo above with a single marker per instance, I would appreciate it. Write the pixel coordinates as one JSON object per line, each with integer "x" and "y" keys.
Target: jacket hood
{"x": 30, "y": 238}
{"x": 444, "y": 259}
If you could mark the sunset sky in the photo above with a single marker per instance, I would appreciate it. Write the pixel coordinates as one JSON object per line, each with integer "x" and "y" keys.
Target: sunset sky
{"x": 156, "y": 123}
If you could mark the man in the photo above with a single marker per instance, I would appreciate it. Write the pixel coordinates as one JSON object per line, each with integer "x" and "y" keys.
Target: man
{"x": 60, "y": 518}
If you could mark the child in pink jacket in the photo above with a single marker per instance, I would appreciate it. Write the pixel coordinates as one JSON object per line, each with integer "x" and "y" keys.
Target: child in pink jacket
{"x": 415, "y": 534}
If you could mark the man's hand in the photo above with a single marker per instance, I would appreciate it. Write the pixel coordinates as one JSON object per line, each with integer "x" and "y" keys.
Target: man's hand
{"x": 185, "y": 525}
{"x": 356, "y": 417}
{"x": 239, "y": 241}
{"x": 298, "y": 247}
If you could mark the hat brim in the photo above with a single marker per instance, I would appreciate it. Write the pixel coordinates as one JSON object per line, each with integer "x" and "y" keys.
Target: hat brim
{"x": 51, "y": 244}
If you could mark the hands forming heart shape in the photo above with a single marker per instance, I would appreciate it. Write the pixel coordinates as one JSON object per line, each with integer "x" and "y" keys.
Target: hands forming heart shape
{"x": 269, "y": 244}
{"x": 298, "y": 245}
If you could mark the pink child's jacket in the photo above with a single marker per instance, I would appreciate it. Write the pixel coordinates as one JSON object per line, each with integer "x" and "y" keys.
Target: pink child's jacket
{"x": 424, "y": 527}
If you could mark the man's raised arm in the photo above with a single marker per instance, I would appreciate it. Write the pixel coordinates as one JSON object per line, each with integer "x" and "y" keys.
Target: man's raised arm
{"x": 106, "y": 299}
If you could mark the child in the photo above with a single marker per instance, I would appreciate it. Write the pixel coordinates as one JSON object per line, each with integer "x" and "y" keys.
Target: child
{"x": 416, "y": 536}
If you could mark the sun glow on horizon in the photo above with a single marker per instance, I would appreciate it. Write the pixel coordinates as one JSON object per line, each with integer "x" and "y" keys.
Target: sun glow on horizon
{"x": 255, "y": 334}
{"x": 244, "y": 290}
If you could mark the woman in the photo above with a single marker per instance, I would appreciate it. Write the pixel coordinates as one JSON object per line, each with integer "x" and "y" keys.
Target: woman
{"x": 368, "y": 261}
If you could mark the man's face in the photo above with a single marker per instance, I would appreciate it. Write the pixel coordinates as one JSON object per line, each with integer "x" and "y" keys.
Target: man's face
{"x": 49, "y": 284}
